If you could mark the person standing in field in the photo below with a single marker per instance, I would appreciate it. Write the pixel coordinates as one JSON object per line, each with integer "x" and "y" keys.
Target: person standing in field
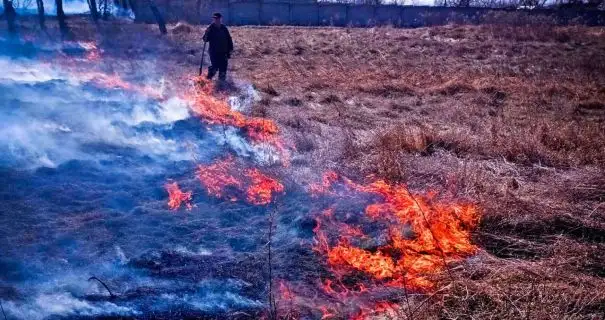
{"x": 221, "y": 46}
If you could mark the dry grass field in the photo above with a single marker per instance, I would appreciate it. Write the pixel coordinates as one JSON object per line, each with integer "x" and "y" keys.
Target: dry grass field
{"x": 512, "y": 118}
{"x": 509, "y": 117}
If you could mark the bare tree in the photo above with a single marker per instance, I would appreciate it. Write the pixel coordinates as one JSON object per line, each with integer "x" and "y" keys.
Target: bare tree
{"x": 41, "y": 17}
{"x": 10, "y": 14}
{"x": 133, "y": 6}
{"x": 94, "y": 12}
{"x": 370, "y": 2}
{"x": 104, "y": 7}
{"x": 158, "y": 16}
{"x": 122, "y": 3}
{"x": 198, "y": 5}
{"x": 490, "y": 3}
{"x": 61, "y": 17}
{"x": 580, "y": 4}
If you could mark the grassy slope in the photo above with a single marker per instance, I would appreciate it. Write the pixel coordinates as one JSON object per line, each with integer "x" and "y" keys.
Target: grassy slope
{"x": 510, "y": 117}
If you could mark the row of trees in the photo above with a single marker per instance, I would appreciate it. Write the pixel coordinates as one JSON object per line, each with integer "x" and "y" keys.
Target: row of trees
{"x": 100, "y": 9}
{"x": 527, "y": 4}
{"x": 580, "y": 4}
{"x": 10, "y": 14}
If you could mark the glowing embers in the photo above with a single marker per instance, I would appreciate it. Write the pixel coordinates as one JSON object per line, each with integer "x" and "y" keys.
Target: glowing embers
{"x": 400, "y": 241}
{"x": 324, "y": 187}
{"x": 384, "y": 308}
{"x": 92, "y": 51}
{"x": 114, "y": 81}
{"x": 262, "y": 187}
{"x": 216, "y": 111}
{"x": 225, "y": 179}
{"x": 176, "y": 197}
{"x": 218, "y": 180}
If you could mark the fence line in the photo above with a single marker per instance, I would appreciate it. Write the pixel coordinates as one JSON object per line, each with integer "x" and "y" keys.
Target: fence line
{"x": 256, "y": 12}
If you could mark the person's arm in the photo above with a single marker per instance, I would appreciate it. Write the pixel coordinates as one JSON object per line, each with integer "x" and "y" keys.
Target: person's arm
{"x": 206, "y": 34}
{"x": 230, "y": 41}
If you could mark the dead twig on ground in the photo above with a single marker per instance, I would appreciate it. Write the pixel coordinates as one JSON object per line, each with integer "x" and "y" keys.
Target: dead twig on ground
{"x": 111, "y": 295}
{"x": 4, "y": 314}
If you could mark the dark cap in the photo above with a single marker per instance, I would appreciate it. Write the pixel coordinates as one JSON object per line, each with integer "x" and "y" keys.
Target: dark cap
{"x": 217, "y": 15}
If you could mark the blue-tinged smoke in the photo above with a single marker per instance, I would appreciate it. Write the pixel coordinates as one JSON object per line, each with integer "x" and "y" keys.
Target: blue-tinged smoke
{"x": 48, "y": 118}
{"x": 82, "y": 177}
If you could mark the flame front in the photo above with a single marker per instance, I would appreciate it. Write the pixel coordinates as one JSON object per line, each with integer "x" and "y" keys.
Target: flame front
{"x": 217, "y": 178}
{"x": 417, "y": 235}
{"x": 262, "y": 187}
{"x": 176, "y": 197}
{"x": 418, "y": 238}
{"x": 216, "y": 111}
{"x": 223, "y": 179}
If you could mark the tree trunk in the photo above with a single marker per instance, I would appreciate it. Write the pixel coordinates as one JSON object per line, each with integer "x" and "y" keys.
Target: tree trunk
{"x": 158, "y": 17}
{"x": 10, "y": 14}
{"x": 61, "y": 16}
{"x": 94, "y": 12}
{"x": 105, "y": 9}
{"x": 41, "y": 17}
{"x": 133, "y": 6}
{"x": 198, "y": 9}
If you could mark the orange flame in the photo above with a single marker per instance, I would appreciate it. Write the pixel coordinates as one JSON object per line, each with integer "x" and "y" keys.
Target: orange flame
{"x": 262, "y": 188}
{"x": 421, "y": 237}
{"x": 115, "y": 81}
{"x": 92, "y": 51}
{"x": 224, "y": 174}
{"x": 176, "y": 197}
{"x": 284, "y": 292}
{"x": 381, "y": 307}
{"x": 328, "y": 179}
{"x": 327, "y": 313}
{"x": 201, "y": 100}
{"x": 217, "y": 178}
{"x": 217, "y": 111}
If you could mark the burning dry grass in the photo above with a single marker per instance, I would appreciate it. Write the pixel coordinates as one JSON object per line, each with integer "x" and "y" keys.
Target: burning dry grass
{"x": 227, "y": 179}
{"x": 176, "y": 197}
{"x": 509, "y": 117}
{"x": 421, "y": 235}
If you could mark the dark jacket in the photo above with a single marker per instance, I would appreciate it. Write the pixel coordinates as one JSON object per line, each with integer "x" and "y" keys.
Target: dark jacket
{"x": 219, "y": 38}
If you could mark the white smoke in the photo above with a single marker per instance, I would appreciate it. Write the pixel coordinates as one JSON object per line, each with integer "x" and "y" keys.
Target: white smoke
{"x": 52, "y": 115}
{"x": 215, "y": 295}
{"x": 49, "y": 117}
{"x": 243, "y": 101}
{"x": 25, "y": 72}
{"x": 262, "y": 153}
{"x": 200, "y": 251}
{"x": 63, "y": 304}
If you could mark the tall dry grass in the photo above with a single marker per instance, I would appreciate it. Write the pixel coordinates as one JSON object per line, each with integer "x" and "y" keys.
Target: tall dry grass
{"x": 510, "y": 116}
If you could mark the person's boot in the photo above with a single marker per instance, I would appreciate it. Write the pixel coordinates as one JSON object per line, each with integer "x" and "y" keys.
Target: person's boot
{"x": 222, "y": 76}
{"x": 211, "y": 73}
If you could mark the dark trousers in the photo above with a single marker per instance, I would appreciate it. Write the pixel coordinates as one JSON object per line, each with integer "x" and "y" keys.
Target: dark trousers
{"x": 219, "y": 63}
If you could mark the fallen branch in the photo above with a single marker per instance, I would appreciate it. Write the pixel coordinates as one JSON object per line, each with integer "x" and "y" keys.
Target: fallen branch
{"x": 111, "y": 295}
{"x": 4, "y": 314}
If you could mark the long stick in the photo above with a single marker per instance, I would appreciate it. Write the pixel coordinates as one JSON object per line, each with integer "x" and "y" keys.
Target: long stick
{"x": 111, "y": 295}
{"x": 4, "y": 314}
{"x": 202, "y": 63}
{"x": 272, "y": 306}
